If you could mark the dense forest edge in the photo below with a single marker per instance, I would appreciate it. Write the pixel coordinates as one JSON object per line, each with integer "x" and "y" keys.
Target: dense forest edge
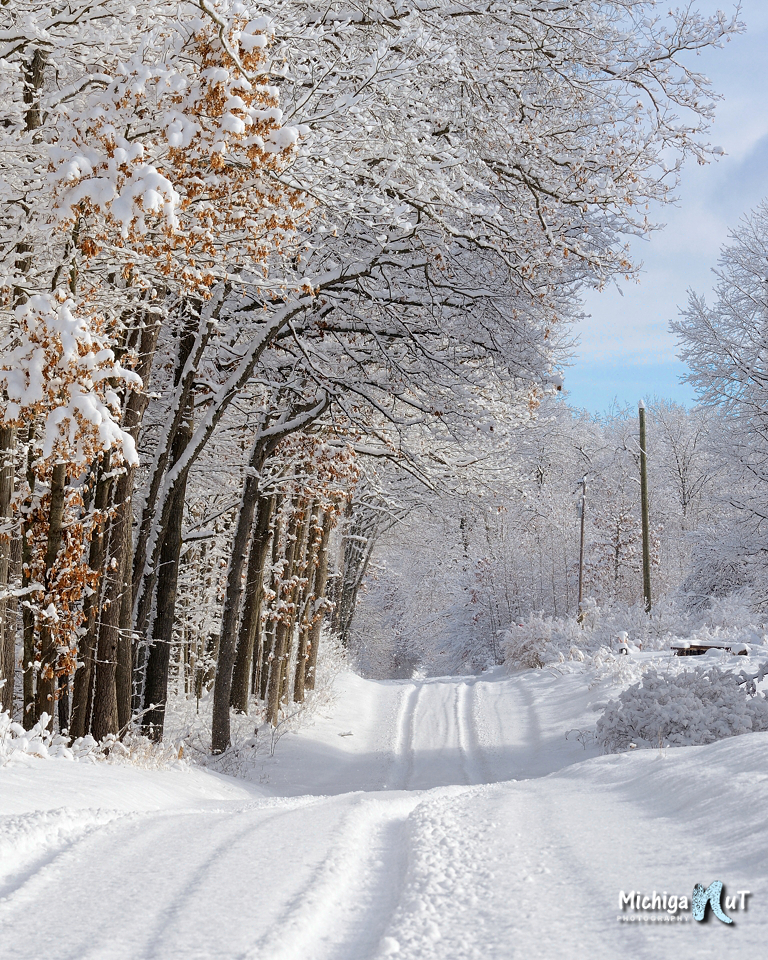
{"x": 285, "y": 305}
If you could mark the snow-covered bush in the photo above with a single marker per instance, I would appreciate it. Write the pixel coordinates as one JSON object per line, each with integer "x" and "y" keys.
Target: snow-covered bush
{"x": 18, "y": 745}
{"x": 37, "y": 742}
{"x": 691, "y": 707}
{"x": 613, "y": 668}
{"x": 736, "y": 611}
{"x": 540, "y": 640}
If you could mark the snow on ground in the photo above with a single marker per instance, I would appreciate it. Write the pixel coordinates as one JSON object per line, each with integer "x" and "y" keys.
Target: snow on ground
{"x": 446, "y": 818}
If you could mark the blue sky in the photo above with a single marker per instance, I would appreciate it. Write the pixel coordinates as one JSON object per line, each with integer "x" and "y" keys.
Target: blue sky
{"x": 625, "y": 348}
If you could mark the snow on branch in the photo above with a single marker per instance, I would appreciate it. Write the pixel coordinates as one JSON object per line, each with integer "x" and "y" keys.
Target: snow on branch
{"x": 61, "y": 368}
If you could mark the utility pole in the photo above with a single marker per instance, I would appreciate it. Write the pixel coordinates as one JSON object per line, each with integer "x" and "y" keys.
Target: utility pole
{"x": 583, "y": 482}
{"x": 644, "y": 510}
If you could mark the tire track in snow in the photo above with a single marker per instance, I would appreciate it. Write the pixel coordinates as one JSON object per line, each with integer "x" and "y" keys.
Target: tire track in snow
{"x": 493, "y": 725}
{"x": 474, "y": 762}
{"x": 436, "y": 740}
{"x": 439, "y": 752}
{"x": 34, "y": 841}
{"x": 157, "y": 843}
{"x": 161, "y": 935}
{"x": 412, "y": 708}
{"x": 345, "y": 909}
{"x": 499, "y": 719}
{"x": 533, "y": 737}
{"x": 400, "y": 772}
{"x": 459, "y": 717}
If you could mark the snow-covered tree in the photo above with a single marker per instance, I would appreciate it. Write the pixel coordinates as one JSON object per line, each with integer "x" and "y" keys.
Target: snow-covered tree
{"x": 500, "y": 543}
{"x": 375, "y": 219}
{"x": 59, "y": 374}
{"x": 725, "y": 345}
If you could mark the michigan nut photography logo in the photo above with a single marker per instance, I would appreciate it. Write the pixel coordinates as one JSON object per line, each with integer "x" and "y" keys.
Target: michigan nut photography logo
{"x": 669, "y": 908}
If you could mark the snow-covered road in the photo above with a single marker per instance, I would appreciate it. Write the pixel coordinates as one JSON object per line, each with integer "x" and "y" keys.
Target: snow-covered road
{"x": 447, "y": 818}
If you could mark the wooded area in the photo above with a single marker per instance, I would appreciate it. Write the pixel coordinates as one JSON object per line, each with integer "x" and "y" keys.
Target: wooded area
{"x": 271, "y": 279}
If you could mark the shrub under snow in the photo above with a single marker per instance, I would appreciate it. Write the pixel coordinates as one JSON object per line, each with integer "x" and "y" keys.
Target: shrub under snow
{"x": 691, "y": 707}
{"x": 18, "y": 745}
{"x": 541, "y": 640}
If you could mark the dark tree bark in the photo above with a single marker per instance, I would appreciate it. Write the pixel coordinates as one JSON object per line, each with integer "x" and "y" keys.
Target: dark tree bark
{"x": 46, "y": 684}
{"x": 322, "y": 606}
{"x": 161, "y": 638}
{"x": 262, "y": 448}
{"x": 305, "y": 603}
{"x": 153, "y": 659}
{"x": 34, "y": 76}
{"x": 195, "y": 332}
{"x": 146, "y": 333}
{"x": 115, "y": 534}
{"x": 105, "y": 714}
{"x": 7, "y": 629}
{"x": 222, "y": 688}
{"x": 29, "y": 716}
{"x": 359, "y": 541}
{"x": 12, "y": 610}
{"x": 250, "y": 621}
{"x": 62, "y": 702}
{"x": 285, "y": 624}
{"x": 112, "y": 689}
{"x": 124, "y": 672}
{"x": 81, "y": 695}
{"x": 267, "y": 637}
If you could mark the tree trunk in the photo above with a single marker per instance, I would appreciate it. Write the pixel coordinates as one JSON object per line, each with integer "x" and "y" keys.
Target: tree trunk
{"x": 254, "y": 594}
{"x": 29, "y": 716}
{"x": 321, "y": 582}
{"x": 7, "y": 629}
{"x": 285, "y": 625}
{"x": 306, "y": 602}
{"x": 124, "y": 674}
{"x": 62, "y": 702}
{"x": 158, "y": 660}
{"x": 81, "y": 695}
{"x": 160, "y": 503}
{"x": 46, "y": 684}
{"x": 163, "y": 581}
{"x": 222, "y": 689}
{"x": 105, "y": 702}
{"x": 359, "y": 542}
{"x": 267, "y": 638}
{"x": 143, "y": 337}
{"x": 644, "y": 511}
{"x": 297, "y": 591}
{"x": 34, "y": 76}
{"x": 147, "y": 332}
{"x": 12, "y": 609}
